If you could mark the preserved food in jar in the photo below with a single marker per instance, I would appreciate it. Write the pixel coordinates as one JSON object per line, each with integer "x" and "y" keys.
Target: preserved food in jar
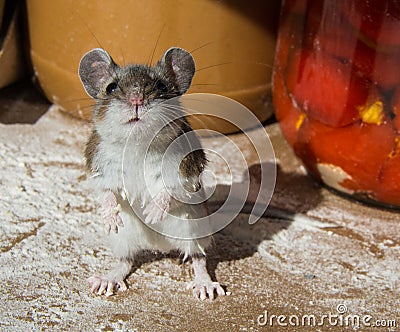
{"x": 336, "y": 91}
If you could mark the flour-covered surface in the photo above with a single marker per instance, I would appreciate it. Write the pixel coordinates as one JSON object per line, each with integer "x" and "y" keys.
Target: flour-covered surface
{"x": 52, "y": 240}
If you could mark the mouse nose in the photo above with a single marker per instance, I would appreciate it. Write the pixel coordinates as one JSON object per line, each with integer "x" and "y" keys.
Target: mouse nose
{"x": 136, "y": 99}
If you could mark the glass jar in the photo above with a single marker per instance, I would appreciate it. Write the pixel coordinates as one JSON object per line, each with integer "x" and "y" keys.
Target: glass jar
{"x": 336, "y": 91}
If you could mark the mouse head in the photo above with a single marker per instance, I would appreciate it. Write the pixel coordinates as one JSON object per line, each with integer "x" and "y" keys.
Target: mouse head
{"x": 172, "y": 75}
{"x": 133, "y": 92}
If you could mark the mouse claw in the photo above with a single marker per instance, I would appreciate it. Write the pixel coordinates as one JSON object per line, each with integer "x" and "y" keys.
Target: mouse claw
{"x": 110, "y": 289}
{"x": 94, "y": 282}
{"x": 105, "y": 286}
{"x": 121, "y": 286}
{"x": 117, "y": 209}
{"x": 153, "y": 215}
{"x": 204, "y": 290}
{"x": 114, "y": 227}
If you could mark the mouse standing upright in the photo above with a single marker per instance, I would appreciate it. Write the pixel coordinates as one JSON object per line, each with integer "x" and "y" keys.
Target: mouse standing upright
{"x": 142, "y": 168}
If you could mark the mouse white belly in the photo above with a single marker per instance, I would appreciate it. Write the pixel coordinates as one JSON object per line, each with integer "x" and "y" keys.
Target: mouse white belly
{"x": 136, "y": 235}
{"x": 138, "y": 181}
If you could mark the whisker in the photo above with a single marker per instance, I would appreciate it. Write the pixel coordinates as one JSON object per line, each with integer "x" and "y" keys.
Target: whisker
{"x": 185, "y": 114}
{"x": 150, "y": 62}
{"x": 192, "y": 112}
{"x": 87, "y": 103}
{"x": 212, "y": 66}
{"x": 203, "y": 124}
{"x": 254, "y": 63}
{"x": 204, "y": 84}
{"x": 200, "y": 120}
{"x": 123, "y": 58}
{"x": 237, "y": 63}
{"x": 201, "y": 46}
{"x": 90, "y": 30}
{"x": 77, "y": 100}
{"x": 171, "y": 124}
{"x": 87, "y": 106}
{"x": 264, "y": 64}
{"x": 113, "y": 73}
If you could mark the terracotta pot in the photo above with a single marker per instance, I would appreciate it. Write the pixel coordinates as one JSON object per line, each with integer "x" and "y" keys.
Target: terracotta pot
{"x": 232, "y": 43}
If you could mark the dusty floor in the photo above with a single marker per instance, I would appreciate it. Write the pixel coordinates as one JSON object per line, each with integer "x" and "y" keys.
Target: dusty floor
{"x": 348, "y": 258}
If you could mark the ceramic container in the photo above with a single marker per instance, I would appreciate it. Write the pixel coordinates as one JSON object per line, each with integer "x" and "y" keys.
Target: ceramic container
{"x": 232, "y": 42}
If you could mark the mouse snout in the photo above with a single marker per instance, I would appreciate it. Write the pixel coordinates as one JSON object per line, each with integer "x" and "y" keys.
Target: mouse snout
{"x": 136, "y": 99}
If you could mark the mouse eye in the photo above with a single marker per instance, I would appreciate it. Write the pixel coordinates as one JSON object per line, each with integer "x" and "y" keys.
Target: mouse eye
{"x": 111, "y": 87}
{"x": 161, "y": 88}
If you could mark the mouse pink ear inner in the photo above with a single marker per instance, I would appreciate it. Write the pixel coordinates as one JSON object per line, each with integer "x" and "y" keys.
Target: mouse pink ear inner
{"x": 95, "y": 69}
{"x": 179, "y": 67}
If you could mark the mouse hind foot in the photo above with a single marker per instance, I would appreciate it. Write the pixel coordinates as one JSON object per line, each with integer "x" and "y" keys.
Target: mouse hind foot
{"x": 202, "y": 285}
{"x": 114, "y": 281}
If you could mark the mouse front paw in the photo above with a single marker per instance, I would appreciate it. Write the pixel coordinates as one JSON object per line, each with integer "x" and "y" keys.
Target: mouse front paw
{"x": 157, "y": 209}
{"x": 110, "y": 213}
{"x": 112, "y": 219}
{"x": 102, "y": 285}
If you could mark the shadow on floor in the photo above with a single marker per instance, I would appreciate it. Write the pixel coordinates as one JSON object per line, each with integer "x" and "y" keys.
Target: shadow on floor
{"x": 21, "y": 102}
{"x": 241, "y": 240}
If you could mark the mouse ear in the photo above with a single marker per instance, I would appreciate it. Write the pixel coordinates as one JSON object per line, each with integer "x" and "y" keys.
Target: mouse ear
{"x": 95, "y": 69}
{"x": 179, "y": 67}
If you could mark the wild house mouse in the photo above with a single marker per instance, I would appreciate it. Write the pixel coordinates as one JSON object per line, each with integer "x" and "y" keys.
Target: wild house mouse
{"x": 146, "y": 161}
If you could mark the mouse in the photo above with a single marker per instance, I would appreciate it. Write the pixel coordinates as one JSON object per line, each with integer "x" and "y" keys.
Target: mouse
{"x": 145, "y": 163}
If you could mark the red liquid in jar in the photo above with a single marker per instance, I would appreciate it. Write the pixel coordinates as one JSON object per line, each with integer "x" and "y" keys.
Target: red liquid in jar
{"x": 336, "y": 90}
